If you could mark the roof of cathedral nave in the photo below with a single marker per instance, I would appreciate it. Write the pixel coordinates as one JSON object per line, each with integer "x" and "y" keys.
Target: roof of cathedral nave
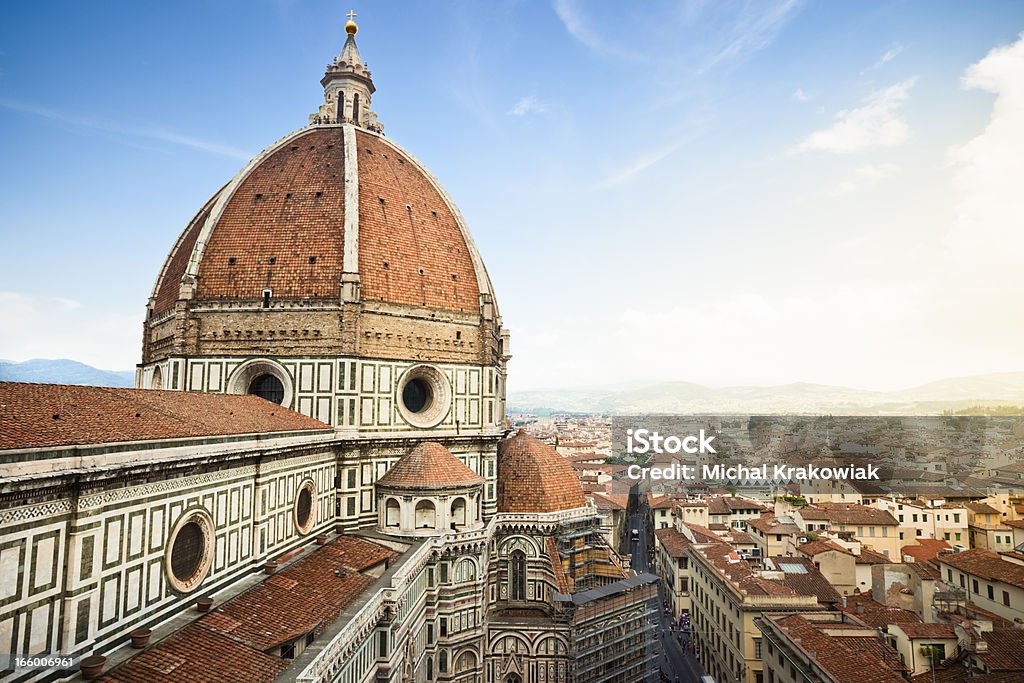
{"x": 429, "y": 465}
{"x": 52, "y": 415}
{"x": 236, "y": 641}
{"x": 333, "y": 198}
{"x": 533, "y": 477}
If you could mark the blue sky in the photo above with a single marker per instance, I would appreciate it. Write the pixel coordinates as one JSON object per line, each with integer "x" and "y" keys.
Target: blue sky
{"x": 721, "y": 192}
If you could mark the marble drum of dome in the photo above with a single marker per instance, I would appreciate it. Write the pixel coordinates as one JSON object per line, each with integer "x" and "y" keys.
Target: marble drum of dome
{"x": 335, "y": 276}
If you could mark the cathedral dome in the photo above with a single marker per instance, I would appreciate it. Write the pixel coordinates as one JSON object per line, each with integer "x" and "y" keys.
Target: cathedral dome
{"x": 326, "y": 204}
{"x": 429, "y": 465}
{"x": 533, "y": 477}
{"x": 332, "y": 245}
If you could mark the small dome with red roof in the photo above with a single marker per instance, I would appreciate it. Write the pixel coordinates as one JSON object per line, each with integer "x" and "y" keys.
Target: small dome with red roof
{"x": 533, "y": 477}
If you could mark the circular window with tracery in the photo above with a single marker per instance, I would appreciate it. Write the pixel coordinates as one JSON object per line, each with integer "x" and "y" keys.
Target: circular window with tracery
{"x": 189, "y": 551}
{"x": 424, "y": 396}
{"x": 305, "y": 507}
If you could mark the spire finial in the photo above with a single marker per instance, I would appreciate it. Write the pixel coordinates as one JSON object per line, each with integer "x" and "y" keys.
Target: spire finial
{"x": 350, "y": 26}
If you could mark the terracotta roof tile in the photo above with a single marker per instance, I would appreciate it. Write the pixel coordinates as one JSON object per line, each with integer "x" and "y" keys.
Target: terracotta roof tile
{"x": 817, "y": 547}
{"x": 1005, "y": 650}
{"x": 41, "y": 415}
{"x": 985, "y": 564}
{"x": 874, "y": 613}
{"x": 291, "y": 208}
{"x": 852, "y": 513}
{"x": 304, "y": 597}
{"x": 862, "y": 658}
{"x": 413, "y": 230}
{"x": 924, "y": 549}
{"x": 533, "y": 477}
{"x": 429, "y": 465}
{"x": 674, "y": 541}
{"x": 928, "y": 630}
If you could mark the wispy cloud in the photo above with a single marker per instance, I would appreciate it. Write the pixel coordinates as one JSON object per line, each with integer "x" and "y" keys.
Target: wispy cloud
{"x": 569, "y": 12}
{"x": 876, "y": 123}
{"x": 632, "y": 169}
{"x": 801, "y": 95}
{"x": 756, "y": 28}
{"x": 575, "y": 22}
{"x": 113, "y": 128}
{"x": 726, "y": 31}
{"x": 889, "y": 55}
{"x": 528, "y": 105}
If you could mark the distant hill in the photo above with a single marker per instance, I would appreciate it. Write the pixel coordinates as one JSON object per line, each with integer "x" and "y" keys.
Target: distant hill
{"x": 64, "y": 371}
{"x": 686, "y": 397}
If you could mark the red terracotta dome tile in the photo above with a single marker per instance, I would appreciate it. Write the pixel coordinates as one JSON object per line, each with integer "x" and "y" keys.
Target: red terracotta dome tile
{"x": 533, "y": 477}
{"x": 429, "y": 465}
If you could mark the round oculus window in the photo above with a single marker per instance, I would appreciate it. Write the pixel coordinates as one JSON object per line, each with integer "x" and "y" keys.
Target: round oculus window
{"x": 305, "y": 507}
{"x": 190, "y": 551}
{"x": 416, "y": 395}
{"x": 424, "y": 396}
{"x": 268, "y": 387}
{"x": 187, "y": 552}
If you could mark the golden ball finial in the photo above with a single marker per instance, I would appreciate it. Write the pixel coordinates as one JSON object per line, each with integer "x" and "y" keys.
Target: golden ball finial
{"x": 350, "y": 26}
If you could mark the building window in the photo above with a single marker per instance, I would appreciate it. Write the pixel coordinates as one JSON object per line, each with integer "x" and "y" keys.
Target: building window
{"x": 305, "y": 502}
{"x": 392, "y": 513}
{"x": 424, "y": 396}
{"x": 268, "y": 387}
{"x": 974, "y": 585}
{"x": 425, "y": 515}
{"x": 1006, "y": 598}
{"x": 517, "y": 576}
{"x": 190, "y": 551}
{"x": 458, "y": 512}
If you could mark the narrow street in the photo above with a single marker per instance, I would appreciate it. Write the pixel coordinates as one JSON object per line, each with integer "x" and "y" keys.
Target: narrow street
{"x": 672, "y": 664}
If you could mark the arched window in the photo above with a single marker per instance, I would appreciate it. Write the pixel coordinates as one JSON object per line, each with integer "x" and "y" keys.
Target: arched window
{"x": 425, "y": 515}
{"x": 458, "y": 512}
{"x": 430, "y": 668}
{"x": 355, "y": 108}
{"x": 465, "y": 570}
{"x": 517, "y": 576}
{"x": 341, "y": 106}
{"x": 442, "y": 661}
{"x": 158, "y": 379}
{"x": 392, "y": 513}
{"x": 513, "y": 678}
{"x": 465, "y": 662}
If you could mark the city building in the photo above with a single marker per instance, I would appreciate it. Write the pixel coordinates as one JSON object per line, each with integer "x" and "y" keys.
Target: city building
{"x": 727, "y": 594}
{"x": 986, "y": 579}
{"x": 830, "y": 647}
